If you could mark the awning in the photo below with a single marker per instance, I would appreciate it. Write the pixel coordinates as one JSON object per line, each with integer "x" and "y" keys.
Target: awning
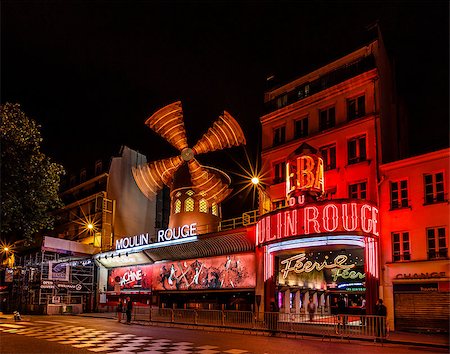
{"x": 207, "y": 245}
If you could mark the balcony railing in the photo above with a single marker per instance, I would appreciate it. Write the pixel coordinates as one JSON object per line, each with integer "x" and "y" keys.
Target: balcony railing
{"x": 441, "y": 253}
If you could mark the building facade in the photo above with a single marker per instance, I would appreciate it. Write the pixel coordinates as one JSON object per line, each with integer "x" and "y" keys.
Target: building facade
{"x": 414, "y": 241}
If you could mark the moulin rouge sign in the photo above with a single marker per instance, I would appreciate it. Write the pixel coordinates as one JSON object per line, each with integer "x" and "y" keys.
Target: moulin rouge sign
{"x": 305, "y": 177}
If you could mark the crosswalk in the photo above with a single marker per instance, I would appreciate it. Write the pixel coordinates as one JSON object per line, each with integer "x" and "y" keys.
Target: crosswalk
{"x": 99, "y": 341}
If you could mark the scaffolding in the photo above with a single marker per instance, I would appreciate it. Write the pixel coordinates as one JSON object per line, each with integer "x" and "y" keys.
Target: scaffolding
{"x": 34, "y": 290}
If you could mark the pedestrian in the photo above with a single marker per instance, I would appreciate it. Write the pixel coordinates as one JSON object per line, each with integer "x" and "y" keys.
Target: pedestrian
{"x": 311, "y": 309}
{"x": 363, "y": 311}
{"x": 129, "y": 308}
{"x": 342, "y": 309}
{"x": 119, "y": 310}
{"x": 381, "y": 312}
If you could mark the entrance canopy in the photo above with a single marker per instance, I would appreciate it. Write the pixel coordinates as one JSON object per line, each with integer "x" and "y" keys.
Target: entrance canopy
{"x": 206, "y": 245}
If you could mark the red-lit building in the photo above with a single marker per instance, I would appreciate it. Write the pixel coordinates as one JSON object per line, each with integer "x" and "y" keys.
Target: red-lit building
{"x": 350, "y": 242}
{"x": 414, "y": 243}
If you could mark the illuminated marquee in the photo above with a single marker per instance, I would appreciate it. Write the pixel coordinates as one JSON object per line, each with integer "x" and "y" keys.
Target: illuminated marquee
{"x": 176, "y": 233}
{"x": 350, "y": 216}
{"x": 305, "y": 174}
{"x": 132, "y": 241}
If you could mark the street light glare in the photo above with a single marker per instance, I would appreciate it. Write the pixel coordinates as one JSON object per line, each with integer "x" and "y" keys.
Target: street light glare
{"x": 90, "y": 226}
{"x": 6, "y": 249}
{"x": 255, "y": 180}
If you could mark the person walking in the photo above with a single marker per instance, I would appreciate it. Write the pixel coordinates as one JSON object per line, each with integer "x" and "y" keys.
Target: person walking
{"x": 129, "y": 309}
{"x": 381, "y": 311}
{"x": 311, "y": 309}
{"x": 341, "y": 310}
{"x": 119, "y": 310}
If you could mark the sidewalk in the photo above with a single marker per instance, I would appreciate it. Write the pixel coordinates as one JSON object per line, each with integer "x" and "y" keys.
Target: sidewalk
{"x": 406, "y": 338}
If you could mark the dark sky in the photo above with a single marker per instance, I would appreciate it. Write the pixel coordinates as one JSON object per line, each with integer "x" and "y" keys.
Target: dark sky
{"x": 91, "y": 72}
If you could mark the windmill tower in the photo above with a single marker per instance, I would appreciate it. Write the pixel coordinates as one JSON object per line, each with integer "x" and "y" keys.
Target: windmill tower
{"x": 196, "y": 191}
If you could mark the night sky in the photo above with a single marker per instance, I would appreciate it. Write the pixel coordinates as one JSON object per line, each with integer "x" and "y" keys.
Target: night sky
{"x": 92, "y": 72}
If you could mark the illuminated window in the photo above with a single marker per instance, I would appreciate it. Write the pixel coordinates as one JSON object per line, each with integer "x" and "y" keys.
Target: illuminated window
{"x": 279, "y": 135}
{"x": 434, "y": 188}
{"x": 400, "y": 246}
{"x": 279, "y": 172}
{"x": 282, "y": 100}
{"x": 178, "y": 195}
{"x": 189, "y": 204}
{"x": 301, "y": 128}
{"x": 437, "y": 244}
{"x": 177, "y": 206}
{"x": 329, "y": 157}
{"x": 190, "y": 193}
{"x": 357, "y": 190}
{"x": 327, "y": 118}
{"x": 303, "y": 91}
{"x": 357, "y": 149}
{"x": 399, "y": 194}
{"x": 203, "y": 206}
{"x": 215, "y": 210}
{"x": 356, "y": 107}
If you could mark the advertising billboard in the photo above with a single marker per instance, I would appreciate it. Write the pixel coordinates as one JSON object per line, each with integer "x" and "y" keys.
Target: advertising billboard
{"x": 133, "y": 277}
{"x": 221, "y": 272}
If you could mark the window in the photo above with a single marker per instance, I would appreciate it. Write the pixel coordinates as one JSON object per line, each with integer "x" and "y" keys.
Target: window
{"x": 329, "y": 157}
{"x": 327, "y": 118}
{"x": 301, "y": 128}
{"x": 278, "y": 204}
{"x": 303, "y": 92}
{"x": 357, "y": 190}
{"x": 203, "y": 206}
{"x": 437, "y": 244}
{"x": 83, "y": 175}
{"x": 190, "y": 192}
{"x": 282, "y": 101}
{"x": 356, "y": 107}
{"x": 215, "y": 209}
{"x": 279, "y": 172}
{"x": 357, "y": 149}
{"x": 177, "y": 206}
{"x": 400, "y": 246}
{"x": 434, "y": 188}
{"x": 279, "y": 135}
{"x": 189, "y": 204}
{"x": 98, "y": 167}
{"x": 330, "y": 193}
{"x": 399, "y": 194}
{"x": 73, "y": 181}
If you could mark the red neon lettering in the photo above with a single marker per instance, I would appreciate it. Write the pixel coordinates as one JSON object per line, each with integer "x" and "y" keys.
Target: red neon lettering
{"x": 290, "y": 222}
{"x": 346, "y": 218}
{"x": 366, "y": 222}
{"x": 313, "y": 219}
{"x": 319, "y": 176}
{"x": 327, "y": 218}
{"x": 375, "y": 221}
{"x": 305, "y": 175}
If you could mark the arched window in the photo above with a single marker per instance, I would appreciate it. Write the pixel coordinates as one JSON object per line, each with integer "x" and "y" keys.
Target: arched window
{"x": 203, "y": 206}
{"x": 177, "y": 206}
{"x": 215, "y": 210}
{"x": 189, "y": 204}
{"x": 190, "y": 193}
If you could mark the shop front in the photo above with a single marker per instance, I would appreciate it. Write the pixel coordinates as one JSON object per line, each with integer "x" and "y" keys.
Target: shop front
{"x": 321, "y": 252}
{"x": 209, "y": 271}
{"x": 420, "y": 296}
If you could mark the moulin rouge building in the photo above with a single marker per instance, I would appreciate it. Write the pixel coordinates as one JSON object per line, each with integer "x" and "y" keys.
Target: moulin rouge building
{"x": 352, "y": 231}
{"x": 331, "y": 144}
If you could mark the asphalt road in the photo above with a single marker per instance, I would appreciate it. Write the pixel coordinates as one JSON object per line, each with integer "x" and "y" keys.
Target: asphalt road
{"x": 62, "y": 334}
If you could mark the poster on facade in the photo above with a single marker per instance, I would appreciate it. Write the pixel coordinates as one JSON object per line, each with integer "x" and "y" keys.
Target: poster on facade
{"x": 58, "y": 271}
{"x": 323, "y": 270}
{"x": 133, "y": 277}
{"x": 9, "y": 275}
{"x": 222, "y": 272}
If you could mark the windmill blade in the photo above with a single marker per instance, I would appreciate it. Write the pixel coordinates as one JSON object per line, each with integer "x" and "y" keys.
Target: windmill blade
{"x": 151, "y": 177}
{"x": 224, "y": 133}
{"x": 208, "y": 183}
{"x": 168, "y": 122}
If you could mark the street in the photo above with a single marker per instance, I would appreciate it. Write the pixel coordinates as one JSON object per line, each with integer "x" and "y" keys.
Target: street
{"x": 62, "y": 334}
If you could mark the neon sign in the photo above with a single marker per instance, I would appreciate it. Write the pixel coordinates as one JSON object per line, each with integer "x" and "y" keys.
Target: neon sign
{"x": 306, "y": 267}
{"x": 132, "y": 241}
{"x": 354, "y": 217}
{"x": 176, "y": 233}
{"x": 305, "y": 174}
